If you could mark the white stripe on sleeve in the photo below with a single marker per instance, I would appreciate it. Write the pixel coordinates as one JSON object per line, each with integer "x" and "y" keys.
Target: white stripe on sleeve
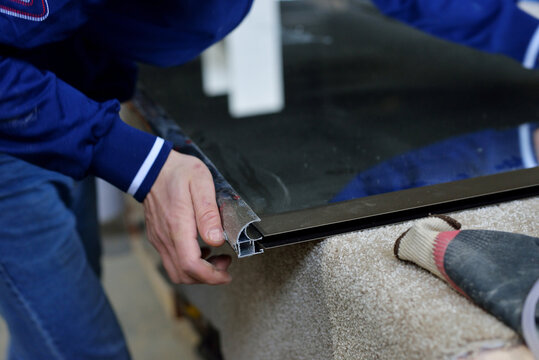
{"x": 526, "y": 146}
{"x": 531, "y": 53}
{"x": 146, "y": 166}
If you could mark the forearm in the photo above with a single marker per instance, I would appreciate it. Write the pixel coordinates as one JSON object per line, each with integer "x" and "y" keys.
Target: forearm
{"x": 48, "y": 123}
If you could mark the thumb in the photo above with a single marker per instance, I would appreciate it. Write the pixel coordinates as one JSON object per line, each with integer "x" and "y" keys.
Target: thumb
{"x": 206, "y": 210}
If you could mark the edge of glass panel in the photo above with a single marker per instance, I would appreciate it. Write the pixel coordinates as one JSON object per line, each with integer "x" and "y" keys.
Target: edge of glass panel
{"x": 367, "y": 212}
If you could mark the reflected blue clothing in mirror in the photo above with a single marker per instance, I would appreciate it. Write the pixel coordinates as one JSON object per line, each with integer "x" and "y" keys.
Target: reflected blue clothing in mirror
{"x": 495, "y": 26}
{"x": 482, "y": 153}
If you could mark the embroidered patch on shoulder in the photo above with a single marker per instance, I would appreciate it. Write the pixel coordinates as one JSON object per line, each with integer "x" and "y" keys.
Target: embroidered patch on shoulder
{"x": 33, "y": 10}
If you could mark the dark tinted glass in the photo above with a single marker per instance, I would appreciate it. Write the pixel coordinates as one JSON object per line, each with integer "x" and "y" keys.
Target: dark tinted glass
{"x": 371, "y": 106}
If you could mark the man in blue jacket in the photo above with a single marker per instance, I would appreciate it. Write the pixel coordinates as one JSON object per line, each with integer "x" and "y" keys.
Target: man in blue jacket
{"x": 61, "y": 61}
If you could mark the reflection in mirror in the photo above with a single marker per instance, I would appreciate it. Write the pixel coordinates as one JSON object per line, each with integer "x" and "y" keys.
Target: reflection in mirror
{"x": 480, "y": 153}
{"x": 371, "y": 106}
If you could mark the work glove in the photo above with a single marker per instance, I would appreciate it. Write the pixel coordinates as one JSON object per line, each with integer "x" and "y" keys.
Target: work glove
{"x": 498, "y": 271}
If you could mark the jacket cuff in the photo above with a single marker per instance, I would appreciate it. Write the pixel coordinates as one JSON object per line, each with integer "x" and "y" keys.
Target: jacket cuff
{"x": 129, "y": 159}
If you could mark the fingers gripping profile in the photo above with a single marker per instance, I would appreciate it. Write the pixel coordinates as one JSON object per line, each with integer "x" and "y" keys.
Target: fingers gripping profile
{"x": 181, "y": 204}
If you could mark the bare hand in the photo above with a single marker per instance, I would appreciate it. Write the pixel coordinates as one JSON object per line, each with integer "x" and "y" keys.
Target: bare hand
{"x": 182, "y": 200}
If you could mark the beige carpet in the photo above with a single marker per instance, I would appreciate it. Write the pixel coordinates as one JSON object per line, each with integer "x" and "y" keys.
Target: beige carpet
{"x": 348, "y": 298}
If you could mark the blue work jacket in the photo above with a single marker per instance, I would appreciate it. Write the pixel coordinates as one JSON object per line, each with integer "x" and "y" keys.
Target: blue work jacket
{"x": 63, "y": 62}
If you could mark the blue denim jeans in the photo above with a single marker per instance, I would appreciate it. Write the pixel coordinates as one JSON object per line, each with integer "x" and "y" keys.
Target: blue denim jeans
{"x": 50, "y": 293}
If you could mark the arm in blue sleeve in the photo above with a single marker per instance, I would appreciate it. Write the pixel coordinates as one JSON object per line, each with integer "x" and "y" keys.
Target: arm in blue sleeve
{"x": 496, "y": 26}
{"x": 48, "y": 123}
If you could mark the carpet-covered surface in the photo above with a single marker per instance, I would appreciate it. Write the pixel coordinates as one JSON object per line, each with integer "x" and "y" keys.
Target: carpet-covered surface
{"x": 348, "y": 297}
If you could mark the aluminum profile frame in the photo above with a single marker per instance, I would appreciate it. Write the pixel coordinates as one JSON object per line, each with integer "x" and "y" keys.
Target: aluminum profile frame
{"x": 237, "y": 217}
{"x": 377, "y": 210}
{"x": 248, "y": 234}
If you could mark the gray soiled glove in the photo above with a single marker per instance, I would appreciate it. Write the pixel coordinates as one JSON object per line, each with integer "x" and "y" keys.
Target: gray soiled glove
{"x": 497, "y": 270}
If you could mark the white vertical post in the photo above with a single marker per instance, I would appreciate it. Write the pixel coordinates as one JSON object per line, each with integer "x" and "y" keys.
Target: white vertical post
{"x": 110, "y": 201}
{"x": 254, "y": 59}
{"x": 215, "y": 70}
{"x": 530, "y": 6}
{"x": 248, "y": 64}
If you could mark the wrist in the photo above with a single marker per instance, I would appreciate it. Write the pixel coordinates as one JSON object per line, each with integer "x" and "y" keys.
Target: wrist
{"x": 129, "y": 158}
